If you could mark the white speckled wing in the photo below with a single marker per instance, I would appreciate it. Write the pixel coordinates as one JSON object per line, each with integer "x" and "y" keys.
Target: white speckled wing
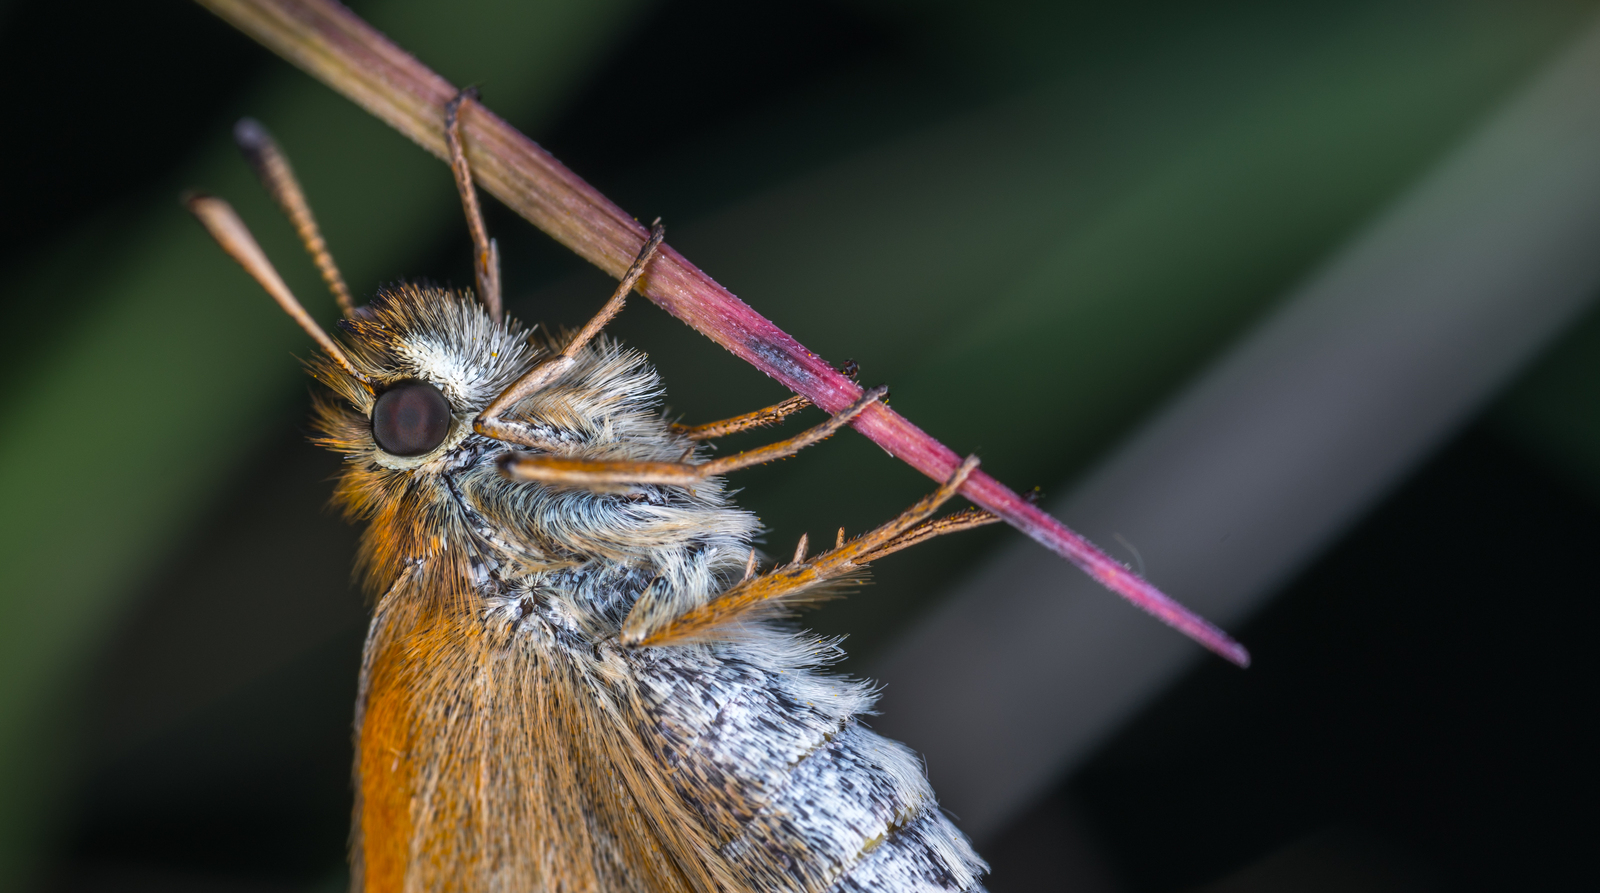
{"x": 800, "y": 796}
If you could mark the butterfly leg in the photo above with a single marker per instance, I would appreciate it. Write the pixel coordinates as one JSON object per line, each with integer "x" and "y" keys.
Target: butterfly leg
{"x": 966, "y": 519}
{"x": 489, "y": 423}
{"x": 485, "y": 253}
{"x": 761, "y": 418}
{"x": 758, "y": 593}
{"x": 605, "y": 474}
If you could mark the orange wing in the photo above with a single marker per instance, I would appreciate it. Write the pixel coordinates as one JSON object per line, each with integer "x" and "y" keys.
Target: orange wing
{"x": 490, "y": 761}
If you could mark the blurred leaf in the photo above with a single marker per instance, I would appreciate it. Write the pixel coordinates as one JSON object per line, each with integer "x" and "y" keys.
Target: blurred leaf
{"x": 1033, "y": 277}
{"x": 1554, "y": 409}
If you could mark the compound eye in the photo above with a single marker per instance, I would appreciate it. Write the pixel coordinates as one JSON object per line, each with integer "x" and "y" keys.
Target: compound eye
{"x": 410, "y": 418}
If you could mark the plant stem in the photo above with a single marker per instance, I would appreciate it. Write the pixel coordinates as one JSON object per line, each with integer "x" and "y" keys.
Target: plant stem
{"x": 335, "y": 46}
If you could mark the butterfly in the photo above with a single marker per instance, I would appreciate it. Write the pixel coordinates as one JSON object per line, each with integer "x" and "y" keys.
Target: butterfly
{"x": 577, "y": 674}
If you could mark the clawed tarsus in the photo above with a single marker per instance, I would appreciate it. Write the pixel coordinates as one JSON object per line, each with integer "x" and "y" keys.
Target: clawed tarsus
{"x": 761, "y": 418}
{"x": 756, "y": 594}
{"x": 485, "y": 253}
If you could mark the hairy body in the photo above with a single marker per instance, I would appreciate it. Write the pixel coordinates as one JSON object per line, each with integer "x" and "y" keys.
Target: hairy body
{"x": 507, "y": 738}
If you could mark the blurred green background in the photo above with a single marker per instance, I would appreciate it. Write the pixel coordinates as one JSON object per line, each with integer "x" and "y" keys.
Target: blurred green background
{"x": 1034, "y": 220}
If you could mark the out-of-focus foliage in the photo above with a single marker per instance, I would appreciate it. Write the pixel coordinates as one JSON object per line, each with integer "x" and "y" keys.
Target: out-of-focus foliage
{"x": 1034, "y": 219}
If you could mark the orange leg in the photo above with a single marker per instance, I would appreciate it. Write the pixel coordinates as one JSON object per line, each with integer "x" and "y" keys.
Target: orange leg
{"x": 485, "y": 253}
{"x": 602, "y": 474}
{"x": 757, "y": 594}
{"x": 966, "y": 519}
{"x": 489, "y": 423}
{"x": 761, "y": 418}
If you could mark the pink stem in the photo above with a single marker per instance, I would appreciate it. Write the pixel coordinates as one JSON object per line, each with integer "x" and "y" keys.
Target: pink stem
{"x": 332, "y": 44}
{"x": 759, "y": 342}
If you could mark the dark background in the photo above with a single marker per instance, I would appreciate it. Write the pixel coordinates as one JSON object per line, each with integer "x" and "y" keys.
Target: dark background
{"x": 1417, "y": 715}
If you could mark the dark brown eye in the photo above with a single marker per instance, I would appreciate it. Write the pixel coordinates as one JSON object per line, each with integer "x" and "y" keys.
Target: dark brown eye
{"x": 410, "y": 418}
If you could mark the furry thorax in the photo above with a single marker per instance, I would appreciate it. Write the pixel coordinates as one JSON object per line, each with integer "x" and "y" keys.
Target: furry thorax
{"x": 450, "y": 514}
